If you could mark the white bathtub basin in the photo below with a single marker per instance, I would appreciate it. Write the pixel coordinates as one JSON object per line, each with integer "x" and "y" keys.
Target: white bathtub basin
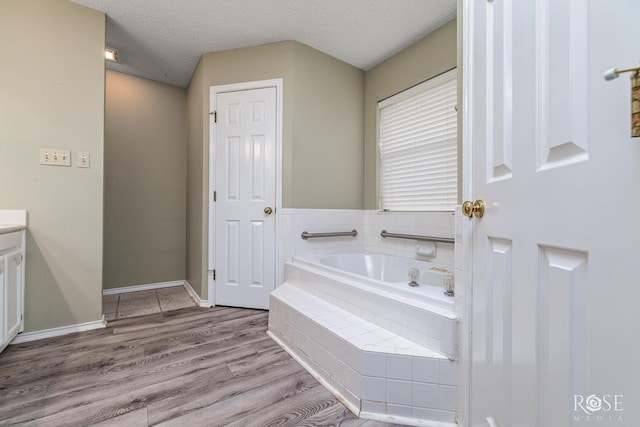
{"x": 389, "y": 274}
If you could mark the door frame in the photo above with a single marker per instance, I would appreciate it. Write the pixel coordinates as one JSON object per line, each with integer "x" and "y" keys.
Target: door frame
{"x": 466, "y": 328}
{"x": 213, "y": 92}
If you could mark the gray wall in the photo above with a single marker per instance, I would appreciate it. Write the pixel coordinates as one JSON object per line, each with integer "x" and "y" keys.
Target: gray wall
{"x": 144, "y": 181}
{"x": 52, "y": 96}
{"x": 196, "y": 184}
{"x": 433, "y": 55}
{"x": 322, "y": 132}
{"x": 326, "y": 171}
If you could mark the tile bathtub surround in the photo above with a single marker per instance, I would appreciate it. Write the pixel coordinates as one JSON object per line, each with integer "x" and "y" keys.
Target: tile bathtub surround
{"x": 378, "y": 379}
{"x": 435, "y": 224}
{"x": 428, "y": 326}
{"x": 369, "y": 223}
{"x": 294, "y": 221}
{"x": 131, "y": 304}
{"x": 385, "y": 357}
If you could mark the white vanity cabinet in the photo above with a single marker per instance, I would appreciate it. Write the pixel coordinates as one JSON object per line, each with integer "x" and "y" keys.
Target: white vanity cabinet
{"x": 11, "y": 287}
{"x": 12, "y": 252}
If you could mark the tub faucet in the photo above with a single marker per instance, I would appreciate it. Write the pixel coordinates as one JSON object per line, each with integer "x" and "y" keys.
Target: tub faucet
{"x": 414, "y": 275}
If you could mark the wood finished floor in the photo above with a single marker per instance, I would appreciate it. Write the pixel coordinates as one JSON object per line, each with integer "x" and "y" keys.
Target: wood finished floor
{"x": 188, "y": 367}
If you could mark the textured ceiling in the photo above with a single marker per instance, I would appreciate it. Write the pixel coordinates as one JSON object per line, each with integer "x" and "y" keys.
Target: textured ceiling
{"x": 164, "y": 39}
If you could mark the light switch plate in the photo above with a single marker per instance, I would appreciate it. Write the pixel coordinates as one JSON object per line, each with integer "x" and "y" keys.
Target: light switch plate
{"x": 83, "y": 159}
{"x": 55, "y": 157}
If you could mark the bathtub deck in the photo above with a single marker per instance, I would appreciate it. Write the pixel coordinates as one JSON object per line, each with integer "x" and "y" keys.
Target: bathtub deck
{"x": 385, "y": 360}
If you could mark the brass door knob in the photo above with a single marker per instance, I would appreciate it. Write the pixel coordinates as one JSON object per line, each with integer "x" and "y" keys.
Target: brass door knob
{"x": 467, "y": 209}
{"x": 470, "y": 209}
{"x": 268, "y": 210}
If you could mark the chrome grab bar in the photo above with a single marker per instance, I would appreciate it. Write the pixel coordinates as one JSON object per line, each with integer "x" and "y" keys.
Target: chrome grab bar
{"x": 305, "y": 235}
{"x": 384, "y": 233}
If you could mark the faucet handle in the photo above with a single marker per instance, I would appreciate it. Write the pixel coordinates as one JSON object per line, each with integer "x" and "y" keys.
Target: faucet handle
{"x": 414, "y": 275}
{"x": 449, "y": 285}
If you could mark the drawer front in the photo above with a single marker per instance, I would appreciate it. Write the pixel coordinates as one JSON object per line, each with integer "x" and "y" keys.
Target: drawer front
{"x": 10, "y": 241}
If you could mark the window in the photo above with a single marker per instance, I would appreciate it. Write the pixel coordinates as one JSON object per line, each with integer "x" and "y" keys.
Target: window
{"x": 418, "y": 148}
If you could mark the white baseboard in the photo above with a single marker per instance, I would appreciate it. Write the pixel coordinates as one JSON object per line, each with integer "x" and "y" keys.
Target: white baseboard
{"x": 195, "y": 297}
{"x": 138, "y": 288}
{"x": 56, "y": 332}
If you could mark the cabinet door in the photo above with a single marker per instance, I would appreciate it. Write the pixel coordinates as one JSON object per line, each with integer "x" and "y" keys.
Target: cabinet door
{"x": 13, "y": 294}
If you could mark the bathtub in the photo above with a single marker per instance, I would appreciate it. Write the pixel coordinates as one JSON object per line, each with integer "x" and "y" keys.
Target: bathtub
{"x": 346, "y": 317}
{"x": 388, "y": 274}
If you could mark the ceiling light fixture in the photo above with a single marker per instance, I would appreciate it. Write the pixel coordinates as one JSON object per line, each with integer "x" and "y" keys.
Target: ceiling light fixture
{"x": 111, "y": 54}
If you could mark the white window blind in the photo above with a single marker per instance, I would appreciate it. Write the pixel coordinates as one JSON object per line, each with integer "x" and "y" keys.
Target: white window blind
{"x": 418, "y": 149}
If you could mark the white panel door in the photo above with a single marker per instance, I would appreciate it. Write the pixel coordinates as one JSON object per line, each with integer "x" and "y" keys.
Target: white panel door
{"x": 245, "y": 185}
{"x": 555, "y": 276}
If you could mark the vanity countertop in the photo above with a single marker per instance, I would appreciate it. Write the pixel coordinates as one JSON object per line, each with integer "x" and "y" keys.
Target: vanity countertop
{"x": 8, "y": 228}
{"x": 12, "y": 220}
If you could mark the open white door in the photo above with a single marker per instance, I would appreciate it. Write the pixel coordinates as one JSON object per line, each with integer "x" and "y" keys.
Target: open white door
{"x": 555, "y": 276}
{"x": 244, "y": 163}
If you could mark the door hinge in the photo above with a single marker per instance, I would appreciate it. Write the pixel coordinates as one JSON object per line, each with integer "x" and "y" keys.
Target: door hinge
{"x": 215, "y": 196}
{"x": 214, "y": 274}
{"x": 215, "y": 116}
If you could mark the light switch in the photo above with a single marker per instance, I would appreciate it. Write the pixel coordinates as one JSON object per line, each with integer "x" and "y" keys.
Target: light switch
{"x": 84, "y": 159}
{"x": 46, "y": 157}
{"x": 55, "y": 157}
{"x": 65, "y": 157}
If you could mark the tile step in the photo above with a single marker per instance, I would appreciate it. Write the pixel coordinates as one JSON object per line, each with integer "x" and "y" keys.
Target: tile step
{"x": 356, "y": 331}
{"x": 379, "y": 373}
{"x": 427, "y": 326}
